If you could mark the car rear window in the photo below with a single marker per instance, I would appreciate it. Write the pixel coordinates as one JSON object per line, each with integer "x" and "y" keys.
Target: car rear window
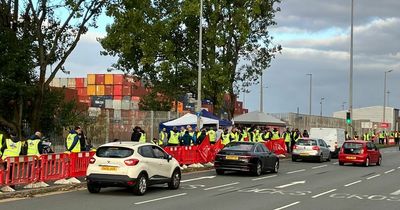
{"x": 352, "y": 148}
{"x": 238, "y": 147}
{"x": 306, "y": 142}
{"x": 114, "y": 152}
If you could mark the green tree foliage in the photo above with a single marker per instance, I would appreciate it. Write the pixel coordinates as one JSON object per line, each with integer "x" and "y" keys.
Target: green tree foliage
{"x": 152, "y": 37}
{"x": 153, "y": 102}
{"x": 33, "y": 37}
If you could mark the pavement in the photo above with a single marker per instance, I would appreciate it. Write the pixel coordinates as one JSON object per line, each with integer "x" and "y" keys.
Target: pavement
{"x": 298, "y": 185}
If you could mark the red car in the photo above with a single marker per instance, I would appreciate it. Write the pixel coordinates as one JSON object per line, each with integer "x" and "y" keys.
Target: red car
{"x": 359, "y": 152}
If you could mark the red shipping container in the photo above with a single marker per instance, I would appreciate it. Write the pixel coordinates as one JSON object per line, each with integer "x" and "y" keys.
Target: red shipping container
{"x": 109, "y": 90}
{"x": 117, "y": 97}
{"x": 138, "y": 83}
{"x": 118, "y": 79}
{"x": 84, "y": 99}
{"x": 82, "y": 91}
{"x": 100, "y": 79}
{"x": 126, "y": 90}
{"x": 141, "y": 91}
{"x": 79, "y": 82}
{"x": 117, "y": 90}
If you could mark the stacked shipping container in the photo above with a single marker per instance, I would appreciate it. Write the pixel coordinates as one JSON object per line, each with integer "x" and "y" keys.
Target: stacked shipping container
{"x": 110, "y": 91}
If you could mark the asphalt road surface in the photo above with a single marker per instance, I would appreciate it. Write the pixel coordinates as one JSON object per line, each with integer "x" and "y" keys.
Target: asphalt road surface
{"x": 299, "y": 185}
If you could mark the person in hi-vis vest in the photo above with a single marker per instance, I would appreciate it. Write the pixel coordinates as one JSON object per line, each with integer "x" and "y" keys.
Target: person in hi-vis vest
{"x": 35, "y": 144}
{"x": 72, "y": 142}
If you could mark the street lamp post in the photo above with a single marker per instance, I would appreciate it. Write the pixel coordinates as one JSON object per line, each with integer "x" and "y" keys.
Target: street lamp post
{"x": 351, "y": 67}
{"x": 322, "y": 99}
{"x": 384, "y": 97}
{"x": 199, "y": 65}
{"x": 309, "y": 111}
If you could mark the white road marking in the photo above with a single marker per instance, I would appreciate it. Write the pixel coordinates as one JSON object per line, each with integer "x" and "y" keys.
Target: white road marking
{"x": 335, "y": 163}
{"x": 291, "y": 184}
{"x": 390, "y": 171}
{"x": 398, "y": 167}
{"x": 265, "y": 177}
{"x": 158, "y": 199}
{"x": 225, "y": 185}
{"x": 374, "y": 176}
{"x": 198, "y": 178}
{"x": 319, "y": 166}
{"x": 228, "y": 188}
{"x": 395, "y": 193}
{"x": 287, "y": 206}
{"x": 292, "y": 172}
{"x": 321, "y": 194}
{"x": 353, "y": 183}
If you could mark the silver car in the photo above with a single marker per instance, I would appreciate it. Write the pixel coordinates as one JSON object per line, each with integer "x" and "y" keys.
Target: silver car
{"x": 311, "y": 149}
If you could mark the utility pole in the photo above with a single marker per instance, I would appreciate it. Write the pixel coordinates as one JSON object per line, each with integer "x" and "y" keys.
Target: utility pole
{"x": 198, "y": 108}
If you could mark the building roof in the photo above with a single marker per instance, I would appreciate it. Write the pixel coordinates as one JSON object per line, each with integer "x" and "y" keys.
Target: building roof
{"x": 257, "y": 117}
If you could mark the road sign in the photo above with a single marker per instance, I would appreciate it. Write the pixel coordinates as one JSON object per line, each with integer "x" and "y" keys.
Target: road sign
{"x": 366, "y": 125}
{"x": 384, "y": 125}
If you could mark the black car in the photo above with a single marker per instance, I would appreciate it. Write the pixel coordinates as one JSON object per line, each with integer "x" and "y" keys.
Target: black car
{"x": 246, "y": 156}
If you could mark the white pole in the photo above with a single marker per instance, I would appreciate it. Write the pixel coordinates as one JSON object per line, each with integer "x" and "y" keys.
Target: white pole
{"x": 199, "y": 65}
{"x": 351, "y": 69}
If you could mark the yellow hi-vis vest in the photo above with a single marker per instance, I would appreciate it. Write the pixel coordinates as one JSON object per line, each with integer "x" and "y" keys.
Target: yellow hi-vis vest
{"x": 275, "y": 135}
{"x": 381, "y": 135}
{"x": 12, "y": 149}
{"x": 142, "y": 138}
{"x": 212, "y": 135}
{"x": 244, "y": 135}
{"x": 70, "y": 140}
{"x": 1, "y": 141}
{"x": 258, "y": 137}
{"x": 33, "y": 148}
{"x": 161, "y": 136}
{"x": 226, "y": 139}
{"x": 286, "y": 136}
{"x": 174, "y": 138}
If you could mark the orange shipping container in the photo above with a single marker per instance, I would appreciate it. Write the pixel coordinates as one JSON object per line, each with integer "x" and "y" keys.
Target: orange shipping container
{"x": 91, "y": 90}
{"x": 91, "y": 79}
{"x": 100, "y": 89}
{"x": 109, "y": 79}
{"x": 118, "y": 79}
{"x": 109, "y": 89}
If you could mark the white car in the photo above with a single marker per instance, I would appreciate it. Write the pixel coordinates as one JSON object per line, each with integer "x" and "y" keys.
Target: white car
{"x": 133, "y": 165}
{"x": 311, "y": 149}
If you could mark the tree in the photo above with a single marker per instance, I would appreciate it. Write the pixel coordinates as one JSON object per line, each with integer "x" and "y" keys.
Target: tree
{"x": 151, "y": 37}
{"x": 51, "y": 38}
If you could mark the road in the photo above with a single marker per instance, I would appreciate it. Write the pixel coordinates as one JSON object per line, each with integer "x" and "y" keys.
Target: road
{"x": 299, "y": 185}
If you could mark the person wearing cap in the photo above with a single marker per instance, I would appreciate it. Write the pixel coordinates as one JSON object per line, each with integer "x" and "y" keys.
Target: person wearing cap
{"x": 72, "y": 142}
{"x": 212, "y": 135}
{"x": 34, "y": 144}
{"x": 136, "y": 134}
{"x": 275, "y": 134}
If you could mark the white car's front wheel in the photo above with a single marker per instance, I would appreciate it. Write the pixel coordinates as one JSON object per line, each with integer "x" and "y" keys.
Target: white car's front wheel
{"x": 175, "y": 180}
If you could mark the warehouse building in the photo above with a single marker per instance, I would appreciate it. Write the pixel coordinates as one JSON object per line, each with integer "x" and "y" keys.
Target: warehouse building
{"x": 374, "y": 114}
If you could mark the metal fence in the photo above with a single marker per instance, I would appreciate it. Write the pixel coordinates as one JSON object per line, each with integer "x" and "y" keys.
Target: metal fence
{"x": 108, "y": 125}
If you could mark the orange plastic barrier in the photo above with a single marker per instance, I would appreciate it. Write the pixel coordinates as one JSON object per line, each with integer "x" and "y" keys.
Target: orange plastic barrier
{"x": 21, "y": 170}
{"x": 78, "y": 163}
{"x": 54, "y": 167}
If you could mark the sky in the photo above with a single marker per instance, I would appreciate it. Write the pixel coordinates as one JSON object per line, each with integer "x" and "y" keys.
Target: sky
{"x": 315, "y": 36}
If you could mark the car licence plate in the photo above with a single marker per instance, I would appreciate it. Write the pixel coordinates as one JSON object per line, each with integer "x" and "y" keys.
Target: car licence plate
{"x": 304, "y": 154}
{"x": 351, "y": 158}
{"x": 108, "y": 168}
{"x": 232, "y": 157}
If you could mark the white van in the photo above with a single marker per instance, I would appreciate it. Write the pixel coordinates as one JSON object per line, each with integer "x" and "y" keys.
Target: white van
{"x": 334, "y": 137}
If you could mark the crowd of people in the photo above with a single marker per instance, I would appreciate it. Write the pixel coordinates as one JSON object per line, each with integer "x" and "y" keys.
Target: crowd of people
{"x": 381, "y": 137}
{"x": 13, "y": 146}
{"x": 187, "y": 136}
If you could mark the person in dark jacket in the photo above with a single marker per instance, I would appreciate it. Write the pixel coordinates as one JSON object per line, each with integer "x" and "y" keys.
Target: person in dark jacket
{"x": 305, "y": 134}
{"x": 201, "y": 137}
{"x": 72, "y": 142}
{"x": 186, "y": 139}
{"x": 136, "y": 134}
{"x": 82, "y": 140}
{"x": 38, "y": 136}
